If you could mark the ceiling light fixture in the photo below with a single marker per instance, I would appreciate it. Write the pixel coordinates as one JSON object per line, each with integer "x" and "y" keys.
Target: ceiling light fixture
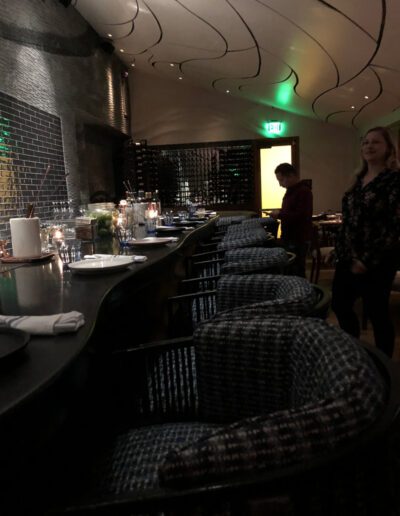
{"x": 133, "y": 64}
{"x": 366, "y": 97}
{"x": 353, "y": 107}
{"x": 109, "y": 35}
{"x": 227, "y": 91}
{"x": 121, "y": 50}
{"x": 180, "y": 78}
{"x": 171, "y": 64}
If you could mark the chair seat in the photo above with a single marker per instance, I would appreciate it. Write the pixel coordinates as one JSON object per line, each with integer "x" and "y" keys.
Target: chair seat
{"x": 132, "y": 460}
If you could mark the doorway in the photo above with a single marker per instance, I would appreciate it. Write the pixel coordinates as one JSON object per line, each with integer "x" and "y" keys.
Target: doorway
{"x": 269, "y": 155}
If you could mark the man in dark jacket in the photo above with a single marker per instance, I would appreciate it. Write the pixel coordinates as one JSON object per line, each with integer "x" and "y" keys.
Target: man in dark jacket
{"x": 295, "y": 214}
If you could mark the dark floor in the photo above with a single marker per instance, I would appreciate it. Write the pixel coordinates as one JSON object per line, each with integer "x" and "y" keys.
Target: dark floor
{"x": 325, "y": 280}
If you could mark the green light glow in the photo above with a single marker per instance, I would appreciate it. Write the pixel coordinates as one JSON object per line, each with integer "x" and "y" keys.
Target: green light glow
{"x": 284, "y": 94}
{"x": 273, "y": 128}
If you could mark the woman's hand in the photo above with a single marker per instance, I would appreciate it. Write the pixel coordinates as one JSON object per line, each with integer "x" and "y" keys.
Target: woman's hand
{"x": 357, "y": 267}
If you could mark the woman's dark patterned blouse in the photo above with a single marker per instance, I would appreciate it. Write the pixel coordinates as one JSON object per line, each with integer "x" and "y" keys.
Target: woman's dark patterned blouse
{"x": 370, "y": 231}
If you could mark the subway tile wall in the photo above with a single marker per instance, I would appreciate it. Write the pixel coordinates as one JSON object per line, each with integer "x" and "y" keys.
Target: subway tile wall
{"x": 31, "y": 161}
{"x": 53, "y": 68}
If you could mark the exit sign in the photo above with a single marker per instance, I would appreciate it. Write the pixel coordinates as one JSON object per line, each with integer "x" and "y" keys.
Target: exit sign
{"x": 274, "y": 127}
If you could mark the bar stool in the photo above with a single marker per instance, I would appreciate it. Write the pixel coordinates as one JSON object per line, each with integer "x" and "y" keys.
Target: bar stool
{"x": 239, "y": 295}
{"x": 272, "y": 411}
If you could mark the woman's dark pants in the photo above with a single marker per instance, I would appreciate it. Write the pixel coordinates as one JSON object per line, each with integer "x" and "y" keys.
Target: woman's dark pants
{"x": 374, "y": 288}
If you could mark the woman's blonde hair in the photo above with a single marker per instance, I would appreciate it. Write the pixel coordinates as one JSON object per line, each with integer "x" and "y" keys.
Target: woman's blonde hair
{"x": 391, "y": 159}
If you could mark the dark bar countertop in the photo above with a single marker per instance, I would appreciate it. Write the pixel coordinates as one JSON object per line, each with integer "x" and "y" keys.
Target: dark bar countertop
{"x": 49, "y": 288}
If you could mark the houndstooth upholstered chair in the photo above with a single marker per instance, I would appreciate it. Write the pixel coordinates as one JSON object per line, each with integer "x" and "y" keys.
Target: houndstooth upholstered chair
{"x": 245, "y": 260}
{"x": 252, "y": 259}
{"x": 224, "y": 222}
{"x": 287, "y": 413}
{"x": 252, "y": 237}
{"x": 244, "y": 295}
{"x": 268, "y": 294}
{"x": 268, "y": 223}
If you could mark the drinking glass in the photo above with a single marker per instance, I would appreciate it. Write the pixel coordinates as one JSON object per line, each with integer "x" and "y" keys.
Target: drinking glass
{"x": 70, "y": 251}
{"x": 168, "y": 217}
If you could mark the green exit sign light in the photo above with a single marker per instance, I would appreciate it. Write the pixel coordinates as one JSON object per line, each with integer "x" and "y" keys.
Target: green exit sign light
{"x": 274, "y": 127}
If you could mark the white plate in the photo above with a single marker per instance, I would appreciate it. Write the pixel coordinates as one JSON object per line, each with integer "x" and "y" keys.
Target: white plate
{"x": 100, "y": 265}
{"x": 134, "y": 257}
{"x": 151, "y": 241}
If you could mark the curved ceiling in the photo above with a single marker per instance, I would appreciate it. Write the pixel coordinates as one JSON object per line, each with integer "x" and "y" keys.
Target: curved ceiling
{"x": 335, "y": 61}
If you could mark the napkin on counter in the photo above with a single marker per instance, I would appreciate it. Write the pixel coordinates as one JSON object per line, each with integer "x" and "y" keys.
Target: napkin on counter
{"x": 44, "y": 324}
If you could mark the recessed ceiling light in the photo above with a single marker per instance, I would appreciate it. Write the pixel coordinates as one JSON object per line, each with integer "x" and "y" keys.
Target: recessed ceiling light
{"x": 121, "y": 50}
{"x": 353, "y": 107}
{"x": 366, "y": 97}
{"x": 180, "y": 78}
{"x": 227, "y": 91}
{"x": 133, "y": 64}
{"x": 171, "y": 64}
{"x": 109, "y": 35}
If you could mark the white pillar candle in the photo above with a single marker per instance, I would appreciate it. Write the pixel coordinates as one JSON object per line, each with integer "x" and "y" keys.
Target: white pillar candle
{"x": 25, "y": 237}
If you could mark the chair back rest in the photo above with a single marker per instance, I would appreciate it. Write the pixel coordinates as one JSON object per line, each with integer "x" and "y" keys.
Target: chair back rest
{"x": 271, "y": 291}
{"x": 224, "y": 222}
{"x": 260, "y": 365}
{"x": 241, "y": 261}
{"x": 254, "y": 237}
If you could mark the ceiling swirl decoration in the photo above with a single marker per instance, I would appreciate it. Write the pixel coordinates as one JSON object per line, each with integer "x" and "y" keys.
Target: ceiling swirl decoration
{"x": 334, "y": 61}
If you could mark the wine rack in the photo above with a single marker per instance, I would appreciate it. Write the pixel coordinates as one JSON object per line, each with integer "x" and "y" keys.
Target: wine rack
{"x": 218, "y": 174}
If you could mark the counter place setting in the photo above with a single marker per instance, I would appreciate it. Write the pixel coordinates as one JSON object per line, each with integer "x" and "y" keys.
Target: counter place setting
{"x": 16, "y": 330}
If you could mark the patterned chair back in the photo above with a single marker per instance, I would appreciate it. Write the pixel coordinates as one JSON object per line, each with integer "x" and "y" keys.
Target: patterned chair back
{"x": 251, "y": 259}
{"x": 252, "y": 237}
{"x": 271, "y": 293}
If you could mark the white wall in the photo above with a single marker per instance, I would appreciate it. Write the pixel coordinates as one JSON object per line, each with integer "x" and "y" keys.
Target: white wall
{"x": 173, "y": 112}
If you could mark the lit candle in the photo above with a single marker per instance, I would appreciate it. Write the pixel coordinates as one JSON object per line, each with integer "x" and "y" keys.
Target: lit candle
{"x": 152, "y": 214}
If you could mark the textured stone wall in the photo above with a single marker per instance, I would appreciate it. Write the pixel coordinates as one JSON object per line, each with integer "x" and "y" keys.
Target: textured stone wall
{"x": 52, "y": 61}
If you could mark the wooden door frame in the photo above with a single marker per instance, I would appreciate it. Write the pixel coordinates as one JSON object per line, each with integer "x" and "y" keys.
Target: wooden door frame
{"x": 267, "y": 143}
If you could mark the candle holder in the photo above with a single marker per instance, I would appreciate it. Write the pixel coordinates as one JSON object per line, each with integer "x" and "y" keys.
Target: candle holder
{"x": 151, "y": 218}
{"x": 4, "y": 253}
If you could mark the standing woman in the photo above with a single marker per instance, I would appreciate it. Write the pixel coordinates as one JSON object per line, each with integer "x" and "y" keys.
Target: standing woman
{"x": 367, "y": 247}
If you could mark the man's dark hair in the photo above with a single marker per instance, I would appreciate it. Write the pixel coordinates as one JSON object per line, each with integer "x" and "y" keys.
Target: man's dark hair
{"x": 286, "y": 169}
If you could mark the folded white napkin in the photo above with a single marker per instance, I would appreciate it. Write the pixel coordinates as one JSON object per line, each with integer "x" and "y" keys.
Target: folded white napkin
{"x": 44, "y": 324}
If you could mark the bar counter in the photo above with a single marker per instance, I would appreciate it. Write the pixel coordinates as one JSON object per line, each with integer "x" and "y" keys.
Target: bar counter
{"x": 114, "y": 305}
